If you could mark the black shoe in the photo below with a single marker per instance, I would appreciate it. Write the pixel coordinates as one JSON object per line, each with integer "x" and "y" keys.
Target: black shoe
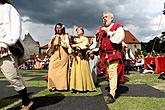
{"x": 74, "y": 92}
{"x": 52, "y": 90}
{"x": 110, "y": 99}
{"x": 97, "y": 84}
{"x": 100, "y": 75}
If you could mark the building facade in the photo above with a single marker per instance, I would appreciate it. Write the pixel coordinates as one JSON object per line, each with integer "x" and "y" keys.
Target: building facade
{"x": 31, "y": 44}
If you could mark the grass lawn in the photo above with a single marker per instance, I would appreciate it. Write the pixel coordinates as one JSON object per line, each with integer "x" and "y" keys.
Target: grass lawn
{"x": 122, "y": 103}
{"x": 141, "y": 103}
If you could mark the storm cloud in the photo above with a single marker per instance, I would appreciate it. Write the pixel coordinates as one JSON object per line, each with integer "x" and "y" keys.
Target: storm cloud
{"x": 138, "y": 16}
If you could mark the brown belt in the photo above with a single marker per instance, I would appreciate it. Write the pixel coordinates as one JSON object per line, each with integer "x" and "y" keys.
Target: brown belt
{"x": 109, "y": 51}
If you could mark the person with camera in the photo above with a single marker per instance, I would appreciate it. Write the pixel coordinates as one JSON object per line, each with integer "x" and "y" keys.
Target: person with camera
{"x": 10, "y": 31}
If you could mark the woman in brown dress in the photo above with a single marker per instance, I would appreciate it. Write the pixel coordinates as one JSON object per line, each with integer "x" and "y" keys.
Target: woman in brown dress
{"x": 58, "y": 66}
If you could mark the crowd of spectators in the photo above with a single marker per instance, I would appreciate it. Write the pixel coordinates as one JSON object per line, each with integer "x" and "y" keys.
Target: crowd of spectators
{"x": 36, "y": 63}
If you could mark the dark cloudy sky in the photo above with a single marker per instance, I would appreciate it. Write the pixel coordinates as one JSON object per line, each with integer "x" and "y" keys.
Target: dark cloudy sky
{"x": 141, "y": 17}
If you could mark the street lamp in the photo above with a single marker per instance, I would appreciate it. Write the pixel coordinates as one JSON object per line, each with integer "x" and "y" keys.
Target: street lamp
{"x": 164, "y": 9}
{"x": 162, "y": 37}
{"x": 163, "y": 33}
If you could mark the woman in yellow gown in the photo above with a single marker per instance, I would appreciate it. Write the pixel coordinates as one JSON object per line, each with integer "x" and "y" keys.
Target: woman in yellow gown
{"x": 81, "y": 79}
{"x": 58, "y": 66}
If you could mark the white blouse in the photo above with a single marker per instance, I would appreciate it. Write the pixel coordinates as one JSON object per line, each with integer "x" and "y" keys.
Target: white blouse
{"x": 10, "y": 26}
{"x": 116, "y": 36}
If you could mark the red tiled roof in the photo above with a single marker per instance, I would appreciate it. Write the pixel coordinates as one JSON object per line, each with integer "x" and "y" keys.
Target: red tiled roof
{"x": 130, "y": 38}
{"x": 44, "y": 47}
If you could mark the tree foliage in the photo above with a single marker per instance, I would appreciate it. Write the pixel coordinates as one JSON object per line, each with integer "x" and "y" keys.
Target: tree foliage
{"x": 155, "y": 44}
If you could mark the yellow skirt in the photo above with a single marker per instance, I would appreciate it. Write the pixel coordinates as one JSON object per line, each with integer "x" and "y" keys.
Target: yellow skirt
{"x": 81, "y": 78}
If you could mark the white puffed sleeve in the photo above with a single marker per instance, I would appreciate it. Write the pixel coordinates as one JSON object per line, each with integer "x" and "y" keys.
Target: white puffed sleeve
{"x": 11, "y": 24}
{"x": 117, "y": 36}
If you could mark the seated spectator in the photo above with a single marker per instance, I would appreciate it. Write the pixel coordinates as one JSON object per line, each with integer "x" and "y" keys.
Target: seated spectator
{"x": 162, "y": 76}
{"x": 150, "y": 67}
{"x": 46, "y": 62}
{"x": 140, "y": 64}
{"x": 149, "y": 55}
